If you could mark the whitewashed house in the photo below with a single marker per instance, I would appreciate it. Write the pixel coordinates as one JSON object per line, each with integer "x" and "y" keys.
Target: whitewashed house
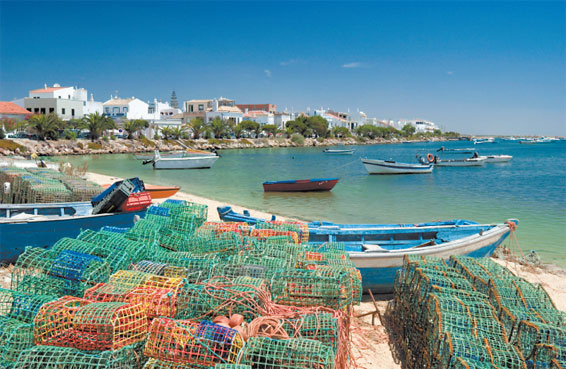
{"x": 421, "y": 125}
{"x": 129, "y": 108}
{"x": 66, "y": 102}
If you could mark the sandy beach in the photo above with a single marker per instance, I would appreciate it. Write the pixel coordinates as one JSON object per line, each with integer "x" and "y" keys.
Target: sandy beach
{"x": 370, "y": 341}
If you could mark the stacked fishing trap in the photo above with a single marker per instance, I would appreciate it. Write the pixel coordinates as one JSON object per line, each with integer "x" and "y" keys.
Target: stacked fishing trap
{"x": 175, "y": 291}
{"x": 42, "y": 185}
{"x": 473, "y": 313}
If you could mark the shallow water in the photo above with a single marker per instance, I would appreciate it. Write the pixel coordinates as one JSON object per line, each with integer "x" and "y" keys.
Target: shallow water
{"x": 532, "y": 187}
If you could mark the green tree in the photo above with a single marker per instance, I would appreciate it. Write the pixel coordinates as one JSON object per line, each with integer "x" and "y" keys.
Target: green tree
{"x": 45, "y": 126}
{"x": 8, "y": 124}
{"x": 246, "y": 125}
{"x": 271, "y": 129}
{"x": 408, "y": 130}
{"x": 318, "y": 125}
{"x": 177, "y": 132}
{"x": 166, "y": 132}
{"x": 97, "y": 124}
{"x": 134, "y": 126}
{"x": 198, "y": 127}
{"x": 341, "y": 132}
{"x": 297, "y": 126}
{"x": 368, "y": 130}
{"x": 219, "y": 127}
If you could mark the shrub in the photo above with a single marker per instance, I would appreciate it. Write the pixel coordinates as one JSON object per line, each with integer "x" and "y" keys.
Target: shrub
{"x": 105, "y": 139}
{"x": 94, "y": 146}
{"x": 69, "y": 134}
{"x": 146, "y": 142}
{"x": 11, "y": 145}
{"x": 112, "y": 137}
{"x": 298, "y": 139}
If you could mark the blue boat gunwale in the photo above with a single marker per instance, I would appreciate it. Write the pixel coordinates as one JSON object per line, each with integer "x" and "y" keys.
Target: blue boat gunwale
{"x": 302, "y": 180}
{"x": 389, "y": 164}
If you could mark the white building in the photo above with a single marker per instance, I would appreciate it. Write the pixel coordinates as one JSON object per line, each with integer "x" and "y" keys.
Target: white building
{"x": 259, "y": 116}
{"x": 334, "y": 120}
{"x": 66, "y": 102}
{"x": 224, "y": 109}
{"x": 129, "y": 108}
{"x": 281, "y": 119}
{"x": 421, "y": 125}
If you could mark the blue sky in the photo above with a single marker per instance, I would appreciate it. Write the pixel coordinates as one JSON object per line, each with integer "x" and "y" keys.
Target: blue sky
{"x": 471, "y": 67}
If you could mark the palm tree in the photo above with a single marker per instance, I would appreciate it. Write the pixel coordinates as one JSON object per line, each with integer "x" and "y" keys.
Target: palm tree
{"x": 198, "y": 126}
{"x": 219, "y": 127}
{"x": 177, "y": 132}
{"x": 45, "y": 126}
{"x": 97, "y": 124}
{"x": 166, "y": 132}
{"x": 133, "y": 126}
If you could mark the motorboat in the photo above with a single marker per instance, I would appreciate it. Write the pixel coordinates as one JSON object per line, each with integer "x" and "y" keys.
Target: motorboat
{"x": 375, "y": 166}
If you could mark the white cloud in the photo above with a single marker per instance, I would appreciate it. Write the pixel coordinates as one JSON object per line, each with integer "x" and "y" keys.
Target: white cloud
{"x": 449, "y": 72}
{"x": 267, "y": 73}
{"x": 354, "y": 65}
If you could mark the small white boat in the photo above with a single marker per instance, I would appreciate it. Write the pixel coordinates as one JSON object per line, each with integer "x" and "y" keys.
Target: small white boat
{"x": 469, "y": 162}
{"x": 177, "y": 154}
{"x": 339, "y": 151}
{"x": 497, "y": 158}
{"x": 478, "y": 141}
{"x": 374, "y": 166}
{"x": 189, "y": 162}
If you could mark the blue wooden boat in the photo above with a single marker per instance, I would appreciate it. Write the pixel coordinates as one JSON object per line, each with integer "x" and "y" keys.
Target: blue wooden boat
{"x": 378, "y": 250}
{"x": 41, "y": 225}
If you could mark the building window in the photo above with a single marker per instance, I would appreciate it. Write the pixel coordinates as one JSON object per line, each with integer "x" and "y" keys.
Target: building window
{"x": 69, "y": 97}
{"x": 62, "y": 110}
{"x": 72, "y": 112}
{"x": 125, "y": 109}
{"x": 191, "y": 109}
{"x": 42, "y": 110}
{"x": 59, "y": 96}
{"x": 36, "y": 110}
{"x": 115, "y": 110}
{"x": 51, "y": 110}
{"x": 200, "y": 107}
{"x": 107, "y": 110}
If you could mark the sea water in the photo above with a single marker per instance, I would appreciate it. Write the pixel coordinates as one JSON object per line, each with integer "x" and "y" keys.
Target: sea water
{"x": 531, "y": 187}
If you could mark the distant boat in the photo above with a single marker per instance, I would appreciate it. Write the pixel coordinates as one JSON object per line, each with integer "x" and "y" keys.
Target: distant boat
{"x": 374, "y": 166}
{"x": 300, "y": 185}
{"x": 478, "y": 141}
{"x": 339, "y": 151}
{"x": 497, "y": 158}
{"x": 189, "y": 162}
{"x": 41, "y": 225}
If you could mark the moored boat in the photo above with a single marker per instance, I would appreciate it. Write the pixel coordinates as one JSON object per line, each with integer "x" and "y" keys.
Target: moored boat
{"x": 339, "y": 151}
{"x": 468, "y": 162}
{"x": 158, "y": 192}
{"x": 41, "y": 225}
{"x": 300, "y": 185}
{"x": 378, "y": 250}
{"x": 176, "y": 154}
{"x": 190, "y": 162}
{"x": 497, "y": 158}
{"x": 375, "y": 166}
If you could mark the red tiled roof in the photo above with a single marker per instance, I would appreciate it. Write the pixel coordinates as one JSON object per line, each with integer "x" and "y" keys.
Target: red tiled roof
{"x": 10, "y": 108}
{"x": 48, "y": 89}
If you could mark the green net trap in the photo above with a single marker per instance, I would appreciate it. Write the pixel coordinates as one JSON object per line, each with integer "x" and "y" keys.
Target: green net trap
{"x": 242, "y": 295}
{"x": 50, "y": 357}
{"x": 301, "y": 230}
{"x": 85, "y": 325}
{"x": 295, "y": 353}
{"x": 49, "y": 272}
{"x": 191, "y": 342}
{"x": 330, "y": 288}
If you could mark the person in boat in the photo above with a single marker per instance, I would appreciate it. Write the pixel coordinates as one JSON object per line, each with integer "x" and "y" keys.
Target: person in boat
{"x": 476, "y": 155}
{"x": 422, "y": 160}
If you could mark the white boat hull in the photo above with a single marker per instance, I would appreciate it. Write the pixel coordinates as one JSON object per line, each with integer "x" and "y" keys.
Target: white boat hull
{"x": 474, "y": 162}
{"x": 392, "y": 167}
{"x": 497, "y": 158}
{"x": 195, "y": 162}
{"x": 378, "y": 268}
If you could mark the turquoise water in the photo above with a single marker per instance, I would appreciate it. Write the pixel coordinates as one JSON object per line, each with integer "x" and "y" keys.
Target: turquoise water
{"x": 532, "y": 187}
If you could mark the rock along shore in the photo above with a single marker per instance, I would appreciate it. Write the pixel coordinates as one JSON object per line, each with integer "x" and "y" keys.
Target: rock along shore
{"x": 123, "y": 146}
